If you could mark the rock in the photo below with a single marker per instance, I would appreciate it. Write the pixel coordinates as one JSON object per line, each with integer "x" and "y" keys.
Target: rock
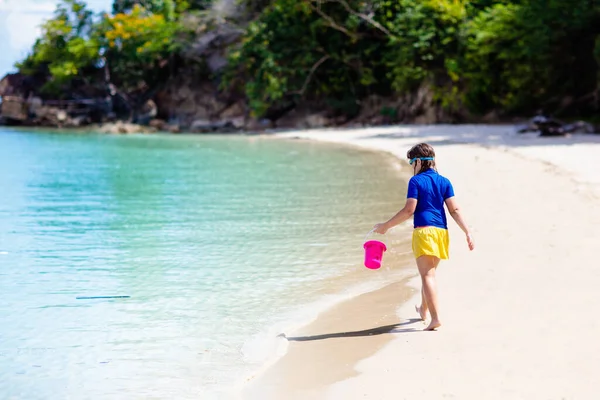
{"x": 315, "y": 121}
{"x": 255, "y": 125}
{"x": 216, "y": 62}
{"x": 212, "y": 46}
{"x": 429, "y": 116}
{"x": 193, "y": 95}
{"x": 35, "y": 103}
{"x": 49, "y": 116}
{"x": 18, "y": 85}
{"x": 13, "y": 108}
{"x": 372, "y": 106}
{"x": 491, "y": 117}
{"x": 378, "y": 120}
{"x": 124, "y": 127}
{"x": 548, "y": 130}
{"x": 157, "y": 124}
{"x": 201, "y": 125}
{"x": 548, "y": 126}
{"x": 147, "y": 113}
{"x": 579, "y": 127}
{"x": 61, "y": 116}
{"x": 187, "y": 100}
{"x": 238, "y": 123}
{"x": 301, "y": 118}
{"x": 422, "y": 107}
{"x": 230, "y": 9}
{"x": 236, "y": 110}
{"x": 77, "y": 122}
{"x": 174, "y": 128}
{"x": 221, "y": 126}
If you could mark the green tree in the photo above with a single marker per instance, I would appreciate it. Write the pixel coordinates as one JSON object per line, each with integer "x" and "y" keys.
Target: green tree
{"x": 305, "y": 49}
{"x": 170, "y": 9}
{"x": 340, "y": 51}
{"x": 139, "y": 48}
{"x": 528, "y": 55}
{"x": 65, "y": 48}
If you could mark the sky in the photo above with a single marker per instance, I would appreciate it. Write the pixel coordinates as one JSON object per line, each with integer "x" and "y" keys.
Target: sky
{"x": 19, "y": 26}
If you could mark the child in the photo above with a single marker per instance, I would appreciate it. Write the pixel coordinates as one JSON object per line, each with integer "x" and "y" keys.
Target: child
{"x": 427, "y": 193}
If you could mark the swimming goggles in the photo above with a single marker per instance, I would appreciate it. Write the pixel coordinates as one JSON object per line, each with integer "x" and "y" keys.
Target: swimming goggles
{"x": 412, "y": 160}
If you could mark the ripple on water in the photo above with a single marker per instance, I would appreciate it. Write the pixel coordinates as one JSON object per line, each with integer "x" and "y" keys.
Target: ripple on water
{"x": 219, "y": 242}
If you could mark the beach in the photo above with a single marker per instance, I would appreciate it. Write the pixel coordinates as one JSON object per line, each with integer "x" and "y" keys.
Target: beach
{"x": 518, "y": 313}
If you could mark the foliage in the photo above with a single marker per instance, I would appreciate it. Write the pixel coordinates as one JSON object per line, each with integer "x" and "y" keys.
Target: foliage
{"x": 488, "y": 54}
{"x": 424, "y": 41}
{"x": 497, "y": 60}
{"x": 520, "y": 56}
{"x": 512, "y": 56}
{"x": 136, "y": 44}
{"x": 170, "y": 9}
{"x": 301, "y": 48}
{"x": 131, "y": 47}
{"x": 65, "y": 47}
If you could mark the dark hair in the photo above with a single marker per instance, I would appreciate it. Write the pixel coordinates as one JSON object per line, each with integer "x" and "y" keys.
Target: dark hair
{"x": 422, "y": 150}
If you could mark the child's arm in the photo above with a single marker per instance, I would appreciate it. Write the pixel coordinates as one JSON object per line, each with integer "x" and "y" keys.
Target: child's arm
{"x": 407, "y": 211}
{"x": 458, "y": 218}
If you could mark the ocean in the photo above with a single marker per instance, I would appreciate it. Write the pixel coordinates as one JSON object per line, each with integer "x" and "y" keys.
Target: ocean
{"x": 214, "y": 246}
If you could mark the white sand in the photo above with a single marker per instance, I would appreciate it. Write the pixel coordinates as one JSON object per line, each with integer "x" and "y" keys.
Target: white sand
{"x": 520, "y": 313}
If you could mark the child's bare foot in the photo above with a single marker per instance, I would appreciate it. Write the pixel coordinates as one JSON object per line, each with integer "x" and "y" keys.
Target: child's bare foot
{"x": 421, "y": 312}
{"x": 433, "y": 326}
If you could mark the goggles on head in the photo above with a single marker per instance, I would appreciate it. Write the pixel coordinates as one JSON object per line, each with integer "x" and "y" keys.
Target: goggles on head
{"x": 412, "y": 160}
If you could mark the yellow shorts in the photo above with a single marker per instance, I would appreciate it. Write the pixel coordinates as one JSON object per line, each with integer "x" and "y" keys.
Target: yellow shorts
{"x": 431, "y": 241}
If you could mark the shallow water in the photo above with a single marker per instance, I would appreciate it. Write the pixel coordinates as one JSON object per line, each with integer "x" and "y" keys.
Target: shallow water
{"x": 219, "y": 242}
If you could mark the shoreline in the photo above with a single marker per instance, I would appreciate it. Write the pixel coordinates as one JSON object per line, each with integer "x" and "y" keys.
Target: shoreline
{"x": 323, "y": 362}
{"x": 266, "y": 382}
{"x": 304, "y": 331}
{"x": 394, "y": 274}
{"x": 472, "y": 356}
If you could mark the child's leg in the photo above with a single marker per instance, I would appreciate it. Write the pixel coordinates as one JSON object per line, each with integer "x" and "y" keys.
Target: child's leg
{"x": 427, "y": 266}
{"x": 422, "y": 309}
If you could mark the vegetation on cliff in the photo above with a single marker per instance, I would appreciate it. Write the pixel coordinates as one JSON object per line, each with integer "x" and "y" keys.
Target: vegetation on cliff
{"x": 467, "y": 58}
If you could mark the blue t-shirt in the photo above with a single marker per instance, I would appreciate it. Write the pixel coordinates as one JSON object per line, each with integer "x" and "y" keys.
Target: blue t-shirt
{"x": 431, "y": 190}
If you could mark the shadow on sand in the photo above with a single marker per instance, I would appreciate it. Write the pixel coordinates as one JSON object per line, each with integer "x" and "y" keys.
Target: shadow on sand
{"x": 380, "y": 330}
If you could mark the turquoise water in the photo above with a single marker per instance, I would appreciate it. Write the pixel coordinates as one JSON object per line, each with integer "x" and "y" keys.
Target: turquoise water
{"x": 220, "y": 242}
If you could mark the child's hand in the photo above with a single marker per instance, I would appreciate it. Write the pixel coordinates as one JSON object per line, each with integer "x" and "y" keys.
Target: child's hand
{"x": 380, "y": 228}
{"x": 470, "y": 242}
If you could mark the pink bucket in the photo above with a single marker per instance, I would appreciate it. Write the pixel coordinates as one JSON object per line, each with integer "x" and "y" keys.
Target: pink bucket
{"x": 374, "y": 250}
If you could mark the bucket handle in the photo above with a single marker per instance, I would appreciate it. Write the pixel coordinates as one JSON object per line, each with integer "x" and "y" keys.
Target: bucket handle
{"x": 367, "y": 235}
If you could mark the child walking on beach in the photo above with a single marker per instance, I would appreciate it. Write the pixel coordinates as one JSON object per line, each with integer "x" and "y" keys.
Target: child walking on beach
{"x": 428, "y": 191}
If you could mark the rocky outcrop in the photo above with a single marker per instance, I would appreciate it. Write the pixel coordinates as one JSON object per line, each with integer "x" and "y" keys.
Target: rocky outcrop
{"x": 193, "y": 100}
{"x": 123, "y": 128}
{"x": 547, "y": 126}
{"x": 17, "y": 85}
{"x": 211, "y": 47}
{"x": 199, "y": 106}
{"x": 13, "y": 109}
